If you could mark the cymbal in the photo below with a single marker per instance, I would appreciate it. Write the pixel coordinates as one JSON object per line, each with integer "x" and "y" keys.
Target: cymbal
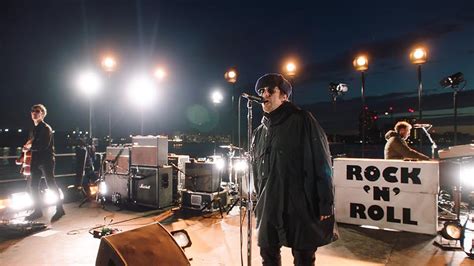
{"x": 230, "y": 147}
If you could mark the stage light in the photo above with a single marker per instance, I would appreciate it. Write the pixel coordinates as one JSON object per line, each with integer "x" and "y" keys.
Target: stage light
{"x": 109, "y": 64}
{"x": 50, "y": 197}
{"x": 467, "y": 175}
{"x": 241, "y": 166}
{"x": 20, "y": 201}
{"x": 103, "y": 188}
{"x": 141, "y": 91}
{"x": 182, "y": 238}
{"x": 89, "y": 83}
{"x": 452, "y": 81}
{"x": 220, "y": 164}
{"x": 290, "y": 69}
{"x": 418, "y": 55}
{"x": 231, "y": 75}
{"x": 452, "y": 230}
{"x": 160, "y": 73}
{"x": 217, "y": 97}
{"x": 337, "y": 89}
{"x": 361, "y": 63}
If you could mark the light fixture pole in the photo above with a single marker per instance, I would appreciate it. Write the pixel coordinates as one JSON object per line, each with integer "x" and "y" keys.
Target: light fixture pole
{"x": 109, "y": 65}
{"x": 418, "y": 57}
{"x": 290, "y": 72}
{"x": 361, "y": 63}
{"x": 231, "y": 77}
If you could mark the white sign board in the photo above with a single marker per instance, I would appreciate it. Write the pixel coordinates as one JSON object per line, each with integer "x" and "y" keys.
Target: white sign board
{"x": 392, "y": 194}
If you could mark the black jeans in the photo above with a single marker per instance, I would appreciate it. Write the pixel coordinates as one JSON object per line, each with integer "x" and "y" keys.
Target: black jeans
{"x": 271, "y": 256}
{"x": 39, "y": 169}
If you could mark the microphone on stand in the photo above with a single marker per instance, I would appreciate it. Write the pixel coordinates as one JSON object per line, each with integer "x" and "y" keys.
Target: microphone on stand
{"x": 254, "y": 98}
{"x": 421, "y": 125}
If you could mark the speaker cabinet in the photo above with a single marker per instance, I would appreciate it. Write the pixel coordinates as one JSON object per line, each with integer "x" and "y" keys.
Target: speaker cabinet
{"x": 202, "y": 177}
{"x": 117, "y": 160}
{"x": 118, "y": 187}
{"x": 153, "y": 187}
{"x": 147, "y": 245}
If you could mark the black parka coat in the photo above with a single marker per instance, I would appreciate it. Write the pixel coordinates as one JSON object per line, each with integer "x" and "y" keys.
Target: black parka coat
{"x": 293, "y": 178}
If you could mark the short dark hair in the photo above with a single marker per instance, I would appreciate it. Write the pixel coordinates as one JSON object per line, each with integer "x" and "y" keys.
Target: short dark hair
{"x": 401, "y": 125}
{"x": 41, "y": 107}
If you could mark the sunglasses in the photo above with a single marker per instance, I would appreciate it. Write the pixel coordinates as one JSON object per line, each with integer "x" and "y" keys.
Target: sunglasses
{"x": 270, "y": 91}
{"x": 36, "y": 111}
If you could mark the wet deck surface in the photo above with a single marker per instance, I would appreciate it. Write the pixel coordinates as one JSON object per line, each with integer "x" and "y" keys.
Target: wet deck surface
{"x": 215, "y": 241}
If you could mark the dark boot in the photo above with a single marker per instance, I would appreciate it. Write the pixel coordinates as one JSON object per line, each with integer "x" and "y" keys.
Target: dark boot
{"x": 59, "y": 213}
{"x": 36, "y": 214}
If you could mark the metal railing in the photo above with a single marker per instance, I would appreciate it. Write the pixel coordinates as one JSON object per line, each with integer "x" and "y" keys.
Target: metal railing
{"x": 3, "y": 181}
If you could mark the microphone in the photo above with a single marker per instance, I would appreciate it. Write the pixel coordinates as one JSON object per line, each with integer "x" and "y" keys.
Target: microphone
{"x": 253, "y": 98}
{"x": 421, "y": 125}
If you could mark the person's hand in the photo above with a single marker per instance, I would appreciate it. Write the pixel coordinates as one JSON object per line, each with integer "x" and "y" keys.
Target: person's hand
{"x": 324, "y": 217}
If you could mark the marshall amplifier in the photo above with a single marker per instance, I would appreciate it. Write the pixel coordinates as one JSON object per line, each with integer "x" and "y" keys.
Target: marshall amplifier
{"x": 205, "y": 201}
{"x": 117, "y": 188}
{"x": 152, "y": 187}
{"x": 117, "y": 160}
{"x": 202, "y": 177}
{"x": 149, "y": 151}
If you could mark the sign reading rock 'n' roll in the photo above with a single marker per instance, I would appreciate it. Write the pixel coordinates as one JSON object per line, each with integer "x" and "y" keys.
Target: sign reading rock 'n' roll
{"x": 392, "y": 194}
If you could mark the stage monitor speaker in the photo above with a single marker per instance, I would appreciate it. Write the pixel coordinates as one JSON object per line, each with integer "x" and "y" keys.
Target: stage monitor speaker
{"x": 147, "y": 245}
{"x": 149, "y": 151}
{"x": 152, "y": 187}
{"x": 202, "y": 177}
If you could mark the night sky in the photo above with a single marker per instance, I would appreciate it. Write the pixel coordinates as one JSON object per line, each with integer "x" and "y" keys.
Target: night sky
{"x": 45, "y": 44}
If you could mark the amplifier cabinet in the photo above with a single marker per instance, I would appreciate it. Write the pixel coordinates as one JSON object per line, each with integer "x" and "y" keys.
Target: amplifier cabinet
{"x": 117, "y": 188}
{"x": 150, "y": 151}
{"x": 202, "y": 177}
{"x": 117, "y": 160}
{"x": 111, "y": 152}
{"x": 152, "y": 187}
{"x": 180, "y": 161}
{"x": 205, "y": 201}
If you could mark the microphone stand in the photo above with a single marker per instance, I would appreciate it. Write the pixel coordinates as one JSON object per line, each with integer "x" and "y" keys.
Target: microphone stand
{"x": 433, "y": 144}
{"x": 249, "y": 178}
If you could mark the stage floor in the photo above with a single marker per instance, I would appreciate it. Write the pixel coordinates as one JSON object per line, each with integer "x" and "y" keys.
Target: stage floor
{"x": 215, "y": 240}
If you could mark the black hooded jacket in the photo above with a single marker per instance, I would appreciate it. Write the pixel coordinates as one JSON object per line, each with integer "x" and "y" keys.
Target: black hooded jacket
{"x": 293, "y": 178}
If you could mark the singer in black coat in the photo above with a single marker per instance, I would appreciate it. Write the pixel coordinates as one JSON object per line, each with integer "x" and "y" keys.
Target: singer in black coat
{"x": 293, "y": 178}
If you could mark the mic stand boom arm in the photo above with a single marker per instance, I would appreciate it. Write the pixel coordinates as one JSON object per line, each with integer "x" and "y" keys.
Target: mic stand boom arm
{"x": 433, "y": 144}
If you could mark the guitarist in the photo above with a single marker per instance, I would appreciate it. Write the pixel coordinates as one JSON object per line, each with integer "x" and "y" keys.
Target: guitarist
{"x": 42, "y": 162}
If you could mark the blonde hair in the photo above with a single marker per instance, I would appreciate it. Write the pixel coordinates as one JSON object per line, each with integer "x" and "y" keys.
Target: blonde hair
{"x": 401, "y": 125}
{"x": 41, "y": 107}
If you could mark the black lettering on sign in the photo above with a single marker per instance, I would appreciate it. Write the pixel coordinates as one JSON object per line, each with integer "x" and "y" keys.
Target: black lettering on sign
{"x": 372, "y": 173}
{"x": 388, "y": 174}
{"x": 375, "y": 212}
{"x": 413, "y": 175}
{"x": 383, "y": 193}
{"x": 354, "y": 170}
{"x": 391, "y": 215}
{"x": 358, "y": 209}
{"x": 407, "y": 217}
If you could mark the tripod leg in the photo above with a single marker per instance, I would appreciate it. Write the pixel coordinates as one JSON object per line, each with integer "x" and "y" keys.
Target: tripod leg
{"x": 233, "y": 205}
